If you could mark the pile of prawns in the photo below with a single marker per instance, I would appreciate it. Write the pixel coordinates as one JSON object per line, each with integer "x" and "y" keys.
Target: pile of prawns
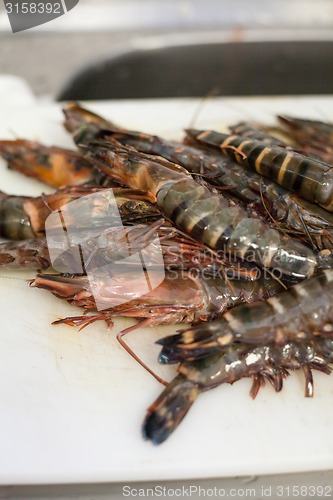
{"x": 245, "y": 225}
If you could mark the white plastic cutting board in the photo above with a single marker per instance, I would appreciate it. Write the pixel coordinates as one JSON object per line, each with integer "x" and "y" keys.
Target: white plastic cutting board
{"x": 72, "y": 404}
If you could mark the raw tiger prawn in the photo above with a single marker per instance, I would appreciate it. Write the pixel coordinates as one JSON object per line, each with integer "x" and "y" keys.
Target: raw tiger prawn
{"x": 290, "y": 213}
{"x": 187, "y": 268}
{"x": 206, "y": 217}
{"x": 97, "y": 215}
{"x": 23, "y": 217}
{"x": 311, "y": 179}
{"x": 198, "y": 298}
{"x": 298, "y": 314}
{"x": 84, "y": 125}
{"x": 207, "y": 359}
{"x": 315, "y": 137}
{"x": 178, "y": 252}
{"x": 54, "y": 166}
{"x": 202, "y": 291}
{"x": 47, "y": 163}
{"x": 262, "y": 363}
{"x": 307, "y": 130}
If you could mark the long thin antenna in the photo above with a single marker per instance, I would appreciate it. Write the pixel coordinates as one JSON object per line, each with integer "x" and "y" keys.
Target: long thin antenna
{"x": 211, "y": 93}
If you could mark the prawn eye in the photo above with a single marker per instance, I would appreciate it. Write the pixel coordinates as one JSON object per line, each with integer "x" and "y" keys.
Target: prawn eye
{"x": 131, "y": 205}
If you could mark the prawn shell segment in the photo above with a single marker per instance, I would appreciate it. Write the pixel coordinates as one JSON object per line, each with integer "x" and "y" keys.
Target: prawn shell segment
{"x": 310, "y": 178}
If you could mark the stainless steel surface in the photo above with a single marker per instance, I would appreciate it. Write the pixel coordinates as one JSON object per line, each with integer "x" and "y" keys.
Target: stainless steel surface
{"x": 95, "y": 31}
{"x": 197, "y": 63}
{"x": 115, "y": 65}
